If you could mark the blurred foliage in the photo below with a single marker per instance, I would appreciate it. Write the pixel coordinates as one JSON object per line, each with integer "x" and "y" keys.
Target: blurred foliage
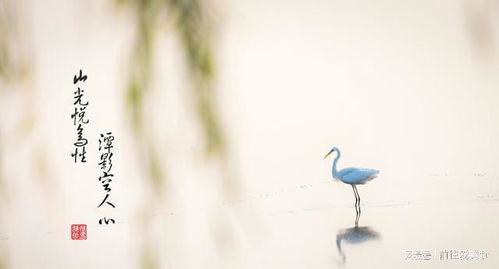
{"x": 2, "y": 264}
{"x": 192, "y": 26}
{"x": 146, "y": 13}
{"x": 480, "y": 21}
{"x": 13, "y": 64}
{"x": 2, "y": 187}
{"x": 14, "y": 73}
{"x": 194, "y": 29}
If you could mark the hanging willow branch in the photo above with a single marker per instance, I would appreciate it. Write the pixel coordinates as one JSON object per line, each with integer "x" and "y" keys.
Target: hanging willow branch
{"x": 193, "y": 28}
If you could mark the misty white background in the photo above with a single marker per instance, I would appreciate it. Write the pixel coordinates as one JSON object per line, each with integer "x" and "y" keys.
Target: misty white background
{"x": 398, "y": 86}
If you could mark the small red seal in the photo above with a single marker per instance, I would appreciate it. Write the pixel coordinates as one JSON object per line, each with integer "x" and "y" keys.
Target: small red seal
{"x": 78, "y": 232}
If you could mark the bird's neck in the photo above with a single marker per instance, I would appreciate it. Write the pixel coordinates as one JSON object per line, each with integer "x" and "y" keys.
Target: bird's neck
{"x": 335, "y": 170}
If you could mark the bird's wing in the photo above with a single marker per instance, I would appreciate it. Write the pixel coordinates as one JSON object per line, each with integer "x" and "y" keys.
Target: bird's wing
{"x": 343, "y": 172}
{"x": 357, "y": 175}
{"x": 369, "y": 171}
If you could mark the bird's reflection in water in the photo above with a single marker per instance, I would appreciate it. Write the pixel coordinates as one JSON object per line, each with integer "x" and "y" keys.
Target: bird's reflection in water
{"x": 355, "y": 235}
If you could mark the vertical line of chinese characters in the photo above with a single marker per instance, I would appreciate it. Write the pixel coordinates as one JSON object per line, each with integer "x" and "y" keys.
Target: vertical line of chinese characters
{"x": 79, "y": 120}
{"x": 106, "y": 164}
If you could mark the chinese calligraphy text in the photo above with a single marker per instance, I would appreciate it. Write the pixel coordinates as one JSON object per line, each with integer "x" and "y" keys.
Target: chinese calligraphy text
{"x": 79, "y": 119}
{"x": 106, "y": 164}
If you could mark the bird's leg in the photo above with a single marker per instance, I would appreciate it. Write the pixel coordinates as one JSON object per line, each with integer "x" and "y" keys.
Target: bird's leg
{"x": 357, "y": 217}
{"x": 357, "y": 204}
{"x": 355, "y": 194}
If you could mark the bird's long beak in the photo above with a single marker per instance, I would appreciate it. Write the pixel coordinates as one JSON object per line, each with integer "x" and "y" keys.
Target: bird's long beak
{"x": 328, "y": 154}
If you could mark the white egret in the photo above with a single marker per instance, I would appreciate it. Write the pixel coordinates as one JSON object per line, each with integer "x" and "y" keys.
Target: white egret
{"x": 353, "y": 176}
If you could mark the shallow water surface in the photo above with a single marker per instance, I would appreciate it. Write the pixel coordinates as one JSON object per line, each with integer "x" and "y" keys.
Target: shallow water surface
{"x": 445, "y": 228}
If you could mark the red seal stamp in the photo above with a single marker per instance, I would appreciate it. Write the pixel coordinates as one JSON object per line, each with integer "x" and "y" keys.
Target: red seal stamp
{"x": 78, "y": 232}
